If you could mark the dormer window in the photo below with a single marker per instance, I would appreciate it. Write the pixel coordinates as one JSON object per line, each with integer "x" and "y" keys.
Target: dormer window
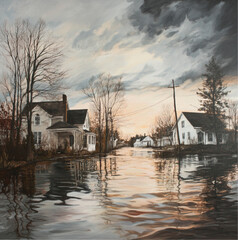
{"x": 37, "y": 119}
{"x": 182, "y": 124}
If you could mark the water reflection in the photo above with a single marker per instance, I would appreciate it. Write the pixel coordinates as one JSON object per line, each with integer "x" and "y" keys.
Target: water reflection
{"x": 128, "y": 195}
{"x": 15, "y": 211}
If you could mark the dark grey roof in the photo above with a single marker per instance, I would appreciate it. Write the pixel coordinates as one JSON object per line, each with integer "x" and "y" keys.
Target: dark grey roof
{"x": 55, "y": 108}
{"x": 201, "y": 120}
{"x": 76, "y": 116}
{"x": 61, "y": 125}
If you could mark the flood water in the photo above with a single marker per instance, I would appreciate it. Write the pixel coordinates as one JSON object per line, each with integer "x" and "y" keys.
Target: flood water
{"x": 130, "y": 194}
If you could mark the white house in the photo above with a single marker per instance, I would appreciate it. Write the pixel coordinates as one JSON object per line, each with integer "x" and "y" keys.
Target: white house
{"x": 164, "y": 141}
{"x": 137, "y": 143}
{"x": 54, "y": 126}
{"x": 145, "y": 142}
{"x": 195, "y": 128}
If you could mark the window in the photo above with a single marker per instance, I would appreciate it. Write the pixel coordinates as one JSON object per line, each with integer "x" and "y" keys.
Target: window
{"x": 188, "y": 135}
{"x": 182, "y": 124}
{"x": 183, "y": 135}
{"x": 210, "y": 139}
{"x": 37, "y": 119}
{"x": 71, "y": 140}
{"x": 200, "y": 137}
{"x": 85, "y": 141}
{"x": 219, "y": 136}
{"x": 37, "y": 137}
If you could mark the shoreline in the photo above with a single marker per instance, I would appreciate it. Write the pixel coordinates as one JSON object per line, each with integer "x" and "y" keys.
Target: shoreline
{"x": 172, "y": 151}
{"x": 163, "y": 152}
{"x": 12, "y": 165}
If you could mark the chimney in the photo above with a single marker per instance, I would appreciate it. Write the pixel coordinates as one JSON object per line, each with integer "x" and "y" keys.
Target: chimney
{"x": 65, "y": 104}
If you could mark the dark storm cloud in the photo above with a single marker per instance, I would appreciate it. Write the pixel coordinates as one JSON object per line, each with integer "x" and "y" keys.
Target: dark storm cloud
{"x": 192, "y": 75}
{"x": 154, "y": 17}
{"x": 169, "y": 13}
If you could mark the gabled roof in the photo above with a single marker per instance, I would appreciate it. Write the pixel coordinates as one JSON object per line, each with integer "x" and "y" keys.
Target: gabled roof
{"x": 147, "y": 137}
{"x": 200, "y": 120}
{"x": 61, "y": 125}
{"x": 76, "y": 116}
{"x": 54, "y": 108}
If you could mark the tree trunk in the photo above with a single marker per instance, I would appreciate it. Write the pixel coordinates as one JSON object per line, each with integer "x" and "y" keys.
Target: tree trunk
{"x": 236, "y": 137}
{"x": 106, "y": 136}
{"x": 12, "y": 130}
{"x": 100, "y": 130}
{"x": 29, "y": 150}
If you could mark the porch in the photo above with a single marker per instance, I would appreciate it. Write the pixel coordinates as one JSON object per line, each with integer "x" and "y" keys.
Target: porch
{"x": 65, "y": 137}
{"x": 89, "y": 141}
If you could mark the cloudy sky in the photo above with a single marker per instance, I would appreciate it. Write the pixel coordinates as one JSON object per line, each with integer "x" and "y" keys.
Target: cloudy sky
{"x": 148, "y": 43}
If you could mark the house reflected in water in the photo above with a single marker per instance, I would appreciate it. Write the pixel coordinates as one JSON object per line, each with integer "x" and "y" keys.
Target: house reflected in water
{"x": 128, "y": 195}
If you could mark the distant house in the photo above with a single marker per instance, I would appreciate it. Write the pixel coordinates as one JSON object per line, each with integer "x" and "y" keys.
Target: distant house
{"x": 145, "y": 142}
{"x": 164, "y": 141}
{"x": 137, "y": 143}
{"x": 54, "y": 126}
{"x": 195, "y": 128}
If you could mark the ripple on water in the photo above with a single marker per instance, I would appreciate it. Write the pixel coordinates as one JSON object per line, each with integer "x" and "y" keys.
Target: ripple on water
{"x": 129, "y": 195}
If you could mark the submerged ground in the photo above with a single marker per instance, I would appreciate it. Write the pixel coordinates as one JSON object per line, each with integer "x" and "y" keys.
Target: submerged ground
{"x": 128, "y": 195}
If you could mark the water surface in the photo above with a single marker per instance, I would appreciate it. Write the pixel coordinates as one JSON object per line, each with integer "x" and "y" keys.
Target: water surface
{"x": 128, "y": 195}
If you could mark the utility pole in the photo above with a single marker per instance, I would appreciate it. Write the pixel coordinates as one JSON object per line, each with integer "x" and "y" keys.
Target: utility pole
{"x": 175, "y": 112}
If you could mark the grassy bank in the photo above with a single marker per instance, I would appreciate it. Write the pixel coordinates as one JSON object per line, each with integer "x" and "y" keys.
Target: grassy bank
{"x": 41, "y": 156}
{"x": 172, "y": 151}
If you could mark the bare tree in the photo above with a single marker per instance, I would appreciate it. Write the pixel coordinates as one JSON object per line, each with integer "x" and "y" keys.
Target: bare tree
{"x": 164, "y": 123}
{"x": 233, "y": 118}
{"x": 37, "y": 60}
{"x": 42, "y": 68}
{"x": 112, "y": 97}
{"x": 93, "y": 92}
{"x": 106, "y": 93}
{"x": 12, "y": 49}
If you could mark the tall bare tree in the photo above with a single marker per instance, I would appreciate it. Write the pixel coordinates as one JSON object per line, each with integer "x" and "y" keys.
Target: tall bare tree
{"x": 233, "y": 118}
{"x": 42, "y": 68}
{"x": 106, "y": 93}
{"x": 112, "y": 97}
{"x": 93, "y": 92}
{"x": 12, "y": 49}
{"x": 36, "y": 57}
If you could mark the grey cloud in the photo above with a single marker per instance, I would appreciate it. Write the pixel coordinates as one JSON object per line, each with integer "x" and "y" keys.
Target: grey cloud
{"x": 84, "y": 39}
{"x": 196, "y": 45}
{"x": 109, "y": 45}
{"x": 170, "y": 34}
{"x": 154, "y": 17}
{"x": 131, "y": 82}
{"x": 169, "y": 13}
{"x": 192, "y": 75}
